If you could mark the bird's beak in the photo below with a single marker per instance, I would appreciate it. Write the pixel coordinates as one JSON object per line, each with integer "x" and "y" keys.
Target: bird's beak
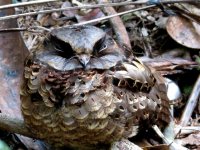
{"x": 84, "y": 59}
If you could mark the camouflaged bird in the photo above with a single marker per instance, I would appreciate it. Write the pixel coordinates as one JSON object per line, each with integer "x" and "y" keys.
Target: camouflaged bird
{"x": 81, "y": 90}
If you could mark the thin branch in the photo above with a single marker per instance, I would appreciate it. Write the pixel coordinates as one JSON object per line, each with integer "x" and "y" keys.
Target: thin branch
{"x": 67, "y": 8}
{"x": 14, "y": 125}
{"x": 92, "y": 7}
{"x": 191, "y": 104}
{"x": 117, "y": 25}
{"x": 114, "y": 15}
{"x": 187, "y": 130}
{"x": 13, "y": 29}
{"x": 172, "y": 145}
{"x": 30, "y": 29}
{"x": 26, "y": 4}
{"x": 85, "y": 22}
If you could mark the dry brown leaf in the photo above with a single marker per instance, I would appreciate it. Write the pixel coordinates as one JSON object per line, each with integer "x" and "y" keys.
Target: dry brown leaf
{"x": 190, "y": 11}
{"x": 168, "y": 66}
{"x": 193, "y": 140}
{"x": 12, "y": 55}
{"x": 47, "y": 20}
{"x": 184, "y": 31}
{"x": 69, "y": 13}
{"x": 94, "y": 14}
{"x": 157, "y": 147}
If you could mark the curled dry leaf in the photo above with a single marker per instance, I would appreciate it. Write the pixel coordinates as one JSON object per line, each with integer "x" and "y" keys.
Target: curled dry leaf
{"x": 93, "y": 14}
{"x": 47, "y": 20}
{"x": 191, "y": 140}
{"x": 190, "y": 11}
{"x": 167, "y": 66}
{"x": 69, "y": 13}
{"x": 157, "y": 147}
{"x": 184, "y": 31}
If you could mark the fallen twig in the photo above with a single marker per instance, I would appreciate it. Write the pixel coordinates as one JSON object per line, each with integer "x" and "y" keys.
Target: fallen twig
{"x": 95, "y": 6}
{"x": 172, "y": 145}
{"x": 191, "y": 104}
{"x": 85, "y": 22}
{"x": 26, "y": 4}
{"x": 63, "y": 9}
{"x": 30, "y": 29}
{"x": 114, "y": 15}
{"x": 188, "y": 130}
{"x": 14, "y": 125}
{"x": 117, "y": 25}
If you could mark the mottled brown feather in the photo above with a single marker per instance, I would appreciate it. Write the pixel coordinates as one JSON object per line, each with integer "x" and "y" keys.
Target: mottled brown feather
{"x": 68, "y": 104}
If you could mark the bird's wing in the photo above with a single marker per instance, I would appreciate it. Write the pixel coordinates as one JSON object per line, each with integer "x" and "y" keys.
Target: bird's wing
{"x": 143, "y": 94}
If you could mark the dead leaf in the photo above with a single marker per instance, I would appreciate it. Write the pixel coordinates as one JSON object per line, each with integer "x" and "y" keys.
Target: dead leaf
{"x": 12, "y": 51}
{"x": 69, "y": 13}
{"x": 192, "y": 140}
{"x": 94, "y": 14}
{"x": 168, "y": 66}
{"x": 157, "y": 147}
{"x": 47, "y": 20}
{"x": 184, "y": 31}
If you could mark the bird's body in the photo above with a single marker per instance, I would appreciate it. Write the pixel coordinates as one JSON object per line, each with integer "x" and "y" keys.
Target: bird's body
{"x": 81, "y": 90}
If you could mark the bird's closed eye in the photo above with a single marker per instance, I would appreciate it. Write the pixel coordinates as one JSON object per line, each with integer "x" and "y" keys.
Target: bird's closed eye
{"x": 104, "y": 46}
{"x": 100, "y": 46}
{"x": 58, "y": 47}
{"x": 64, "y": 49}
